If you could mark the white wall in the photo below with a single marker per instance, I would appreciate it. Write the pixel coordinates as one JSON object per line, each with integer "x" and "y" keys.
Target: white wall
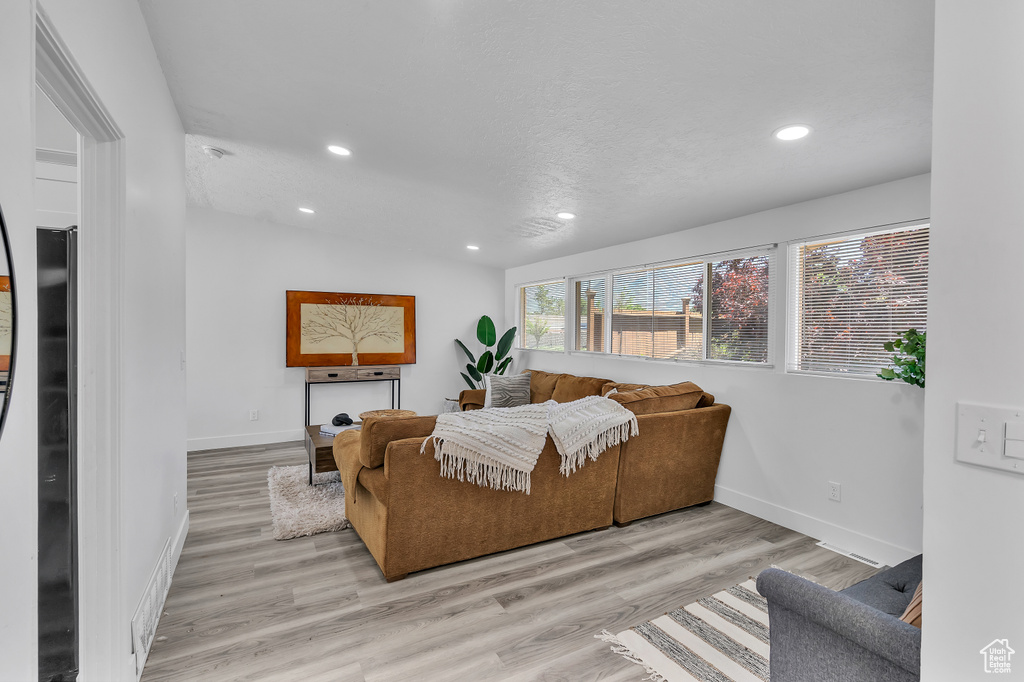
{"x": 56, "y": 195}
{"x": 111, "y": 44}
{"x": 18, "y": 440}
{"x": 789, "y": 434}
{"x": 238, "y": 272}
{"x": 974, "y": 557}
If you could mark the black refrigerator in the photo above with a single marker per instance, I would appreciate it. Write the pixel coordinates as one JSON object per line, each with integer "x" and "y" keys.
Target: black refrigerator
{"x": 56, "y": 260}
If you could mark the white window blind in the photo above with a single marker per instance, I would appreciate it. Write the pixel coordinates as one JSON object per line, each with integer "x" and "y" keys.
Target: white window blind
{"x": 542, "y": 316}
{"x": 590, "y": 314}
{"x": 678, "y": 318}
{"x": 738, "y": 308}
{"x": 632, "y": 319}
{"x": 850, "y": 295}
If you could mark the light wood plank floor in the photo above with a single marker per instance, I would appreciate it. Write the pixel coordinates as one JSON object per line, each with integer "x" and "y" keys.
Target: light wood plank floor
{"x": 243, "y": 606}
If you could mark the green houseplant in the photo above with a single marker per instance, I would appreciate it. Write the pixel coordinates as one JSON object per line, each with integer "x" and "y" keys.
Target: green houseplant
{"x": 497, "y": 359}
{"x": 907, "y": 359}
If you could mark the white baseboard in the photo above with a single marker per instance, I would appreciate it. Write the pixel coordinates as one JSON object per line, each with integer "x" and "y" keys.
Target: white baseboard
{"x": 178, "y": 542}
{"x": 147, "y": 616}
{"x": 865, "y": 545}
{"x": 244, "y": 439}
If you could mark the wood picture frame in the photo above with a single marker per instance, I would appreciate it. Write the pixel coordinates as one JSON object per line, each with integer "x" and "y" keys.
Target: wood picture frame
{"x": 6, "y": 323}
{"x": 334, "y": 329}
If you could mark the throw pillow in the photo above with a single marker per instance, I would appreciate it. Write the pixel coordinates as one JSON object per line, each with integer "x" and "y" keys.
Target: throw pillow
{"x": 913, "y": 613}
{"x": 570, "y": 387}
{"x": 542, "y": 385}
{"x": 507, "y": 391}
{"x": 684, "y": 396}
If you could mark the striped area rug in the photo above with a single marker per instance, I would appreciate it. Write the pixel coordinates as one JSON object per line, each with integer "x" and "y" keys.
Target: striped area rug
{"x": 720, "y": 638}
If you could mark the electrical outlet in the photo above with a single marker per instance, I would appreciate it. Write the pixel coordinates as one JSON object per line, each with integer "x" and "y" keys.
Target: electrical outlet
{"x": 254, "y": 415}
{"x": 835, "y": 491}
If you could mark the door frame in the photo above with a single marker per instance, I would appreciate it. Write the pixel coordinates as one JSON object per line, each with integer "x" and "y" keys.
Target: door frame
{"x": 104, "y": 628}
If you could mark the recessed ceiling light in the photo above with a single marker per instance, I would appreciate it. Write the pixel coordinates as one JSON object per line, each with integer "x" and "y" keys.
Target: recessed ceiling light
{"x": 792, "y": 132}
{"x": 472, "y": 247}
{"x": 565, "y": 215}
{"x": 340, "y": 151}
{"x": 213, "y": 152}
{"x": 306, "y": 210}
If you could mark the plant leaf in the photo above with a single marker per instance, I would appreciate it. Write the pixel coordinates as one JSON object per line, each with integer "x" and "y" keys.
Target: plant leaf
{"x": 888, "y": 345}
{"x": 887, "y": 374}
{"x": 474, "y": 373}
{"x": 485, "y": 363}
{"x": 485, "y": 332}
{"x": 466, "y": 351}
{"x": 505, "y": 344}
{"x": 503, "y": 366}
{"x": 469, "y": 381}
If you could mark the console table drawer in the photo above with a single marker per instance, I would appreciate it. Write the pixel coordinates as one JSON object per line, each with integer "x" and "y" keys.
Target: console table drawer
{"x": 323, "y": 375}
{"x": 377, "y": 373}
{"x": 327, "y": 375}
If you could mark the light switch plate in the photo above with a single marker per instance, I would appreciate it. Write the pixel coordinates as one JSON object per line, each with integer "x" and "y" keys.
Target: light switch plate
{"x": 980, "y": 434}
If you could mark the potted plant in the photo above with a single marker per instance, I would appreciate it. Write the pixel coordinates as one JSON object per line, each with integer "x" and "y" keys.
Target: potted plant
{"x": 494, "y": 361}
{"x": 907, "y": 359}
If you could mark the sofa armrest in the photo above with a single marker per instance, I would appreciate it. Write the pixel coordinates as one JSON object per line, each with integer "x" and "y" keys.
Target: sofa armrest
{"x": 814, "y": 630}
{"x": 472, "y": 399}
{"x": 377, "y": 432}
{"x": 346, "y": 456}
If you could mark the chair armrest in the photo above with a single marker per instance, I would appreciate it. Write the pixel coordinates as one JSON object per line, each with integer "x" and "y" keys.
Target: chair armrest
{"x": 472, "y": 399}
{"x": 882, "y": 634}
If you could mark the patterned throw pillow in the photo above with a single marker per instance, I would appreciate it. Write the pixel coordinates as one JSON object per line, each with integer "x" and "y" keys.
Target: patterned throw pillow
{"x": 507, "y": 391}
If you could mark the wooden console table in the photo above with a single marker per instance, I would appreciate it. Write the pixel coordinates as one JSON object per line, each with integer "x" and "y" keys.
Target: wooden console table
{"x": 348, "y": 374}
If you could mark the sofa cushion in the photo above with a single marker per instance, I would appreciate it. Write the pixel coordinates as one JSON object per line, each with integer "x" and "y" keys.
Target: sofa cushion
{"x": 571, "y": 388}
{"x": 377, "y": 432}
{"x": 507, "y": 391}
{"x": 684, "y": 396}
{"x": 621, "y": 388}
{"x": 374, "y": 481}
{"x": 912, "y": 614}
{"x": 542, "y": 385}
{"x": 706, "y": 400}
{"x": 890, "y": 590}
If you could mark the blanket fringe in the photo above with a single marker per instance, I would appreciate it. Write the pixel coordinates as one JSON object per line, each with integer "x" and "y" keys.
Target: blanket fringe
{"x": 604, "y": 440}
{"x": 466, "y": 464}
{"x": 622, "y": 650}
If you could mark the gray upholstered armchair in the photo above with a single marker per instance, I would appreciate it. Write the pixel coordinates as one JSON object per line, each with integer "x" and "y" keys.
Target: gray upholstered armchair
{"x": 855, "y": 635}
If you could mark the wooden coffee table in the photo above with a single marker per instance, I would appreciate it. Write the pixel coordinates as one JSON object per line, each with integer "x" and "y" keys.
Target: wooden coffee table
{"x": 320, "y": 450}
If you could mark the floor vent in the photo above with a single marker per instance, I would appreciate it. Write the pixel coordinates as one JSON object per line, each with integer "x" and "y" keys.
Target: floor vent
{"x": 148, "y": 614}
{"x": 858, "y": 557}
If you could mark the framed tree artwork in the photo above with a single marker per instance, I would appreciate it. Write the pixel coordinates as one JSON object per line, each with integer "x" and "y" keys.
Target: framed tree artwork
{"x": 6, "y": 324}
{"x": 332, "y": 329}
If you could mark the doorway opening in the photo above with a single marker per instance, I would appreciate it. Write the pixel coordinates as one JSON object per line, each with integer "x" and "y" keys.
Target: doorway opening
{"x": 103, "y": 631}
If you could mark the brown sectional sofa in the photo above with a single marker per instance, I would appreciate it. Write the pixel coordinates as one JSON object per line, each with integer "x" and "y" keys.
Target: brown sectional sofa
{"x": 411, "y": 518}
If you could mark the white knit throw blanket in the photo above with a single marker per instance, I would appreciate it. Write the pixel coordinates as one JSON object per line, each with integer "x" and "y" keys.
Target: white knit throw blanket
{"x": 499, "y": 447}
{"x": 587, "y": 427}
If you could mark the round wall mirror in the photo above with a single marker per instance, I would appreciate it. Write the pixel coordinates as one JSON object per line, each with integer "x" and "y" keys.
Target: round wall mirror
{"x": 7, "y": 323}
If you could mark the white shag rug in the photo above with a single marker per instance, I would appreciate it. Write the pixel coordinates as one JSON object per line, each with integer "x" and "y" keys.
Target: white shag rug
{"x": 298, "y": 508}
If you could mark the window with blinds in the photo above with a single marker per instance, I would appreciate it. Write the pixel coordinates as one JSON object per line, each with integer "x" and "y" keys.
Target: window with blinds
{"x": 738, "y": 309}
{"x": 659, "y": 312}
{"x": 850, "y": 295}
{"x": 590, "y": 314}
{"x": 542, "y": 316}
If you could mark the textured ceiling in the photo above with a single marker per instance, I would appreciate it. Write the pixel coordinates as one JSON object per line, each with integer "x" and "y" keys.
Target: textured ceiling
{"x": 475, "y": 121}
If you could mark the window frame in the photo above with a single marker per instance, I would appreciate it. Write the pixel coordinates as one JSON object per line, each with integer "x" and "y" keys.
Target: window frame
{"x": 794, "y": 302}
{"x": 521, "y": 314}
{"x": 707, "y": 261}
